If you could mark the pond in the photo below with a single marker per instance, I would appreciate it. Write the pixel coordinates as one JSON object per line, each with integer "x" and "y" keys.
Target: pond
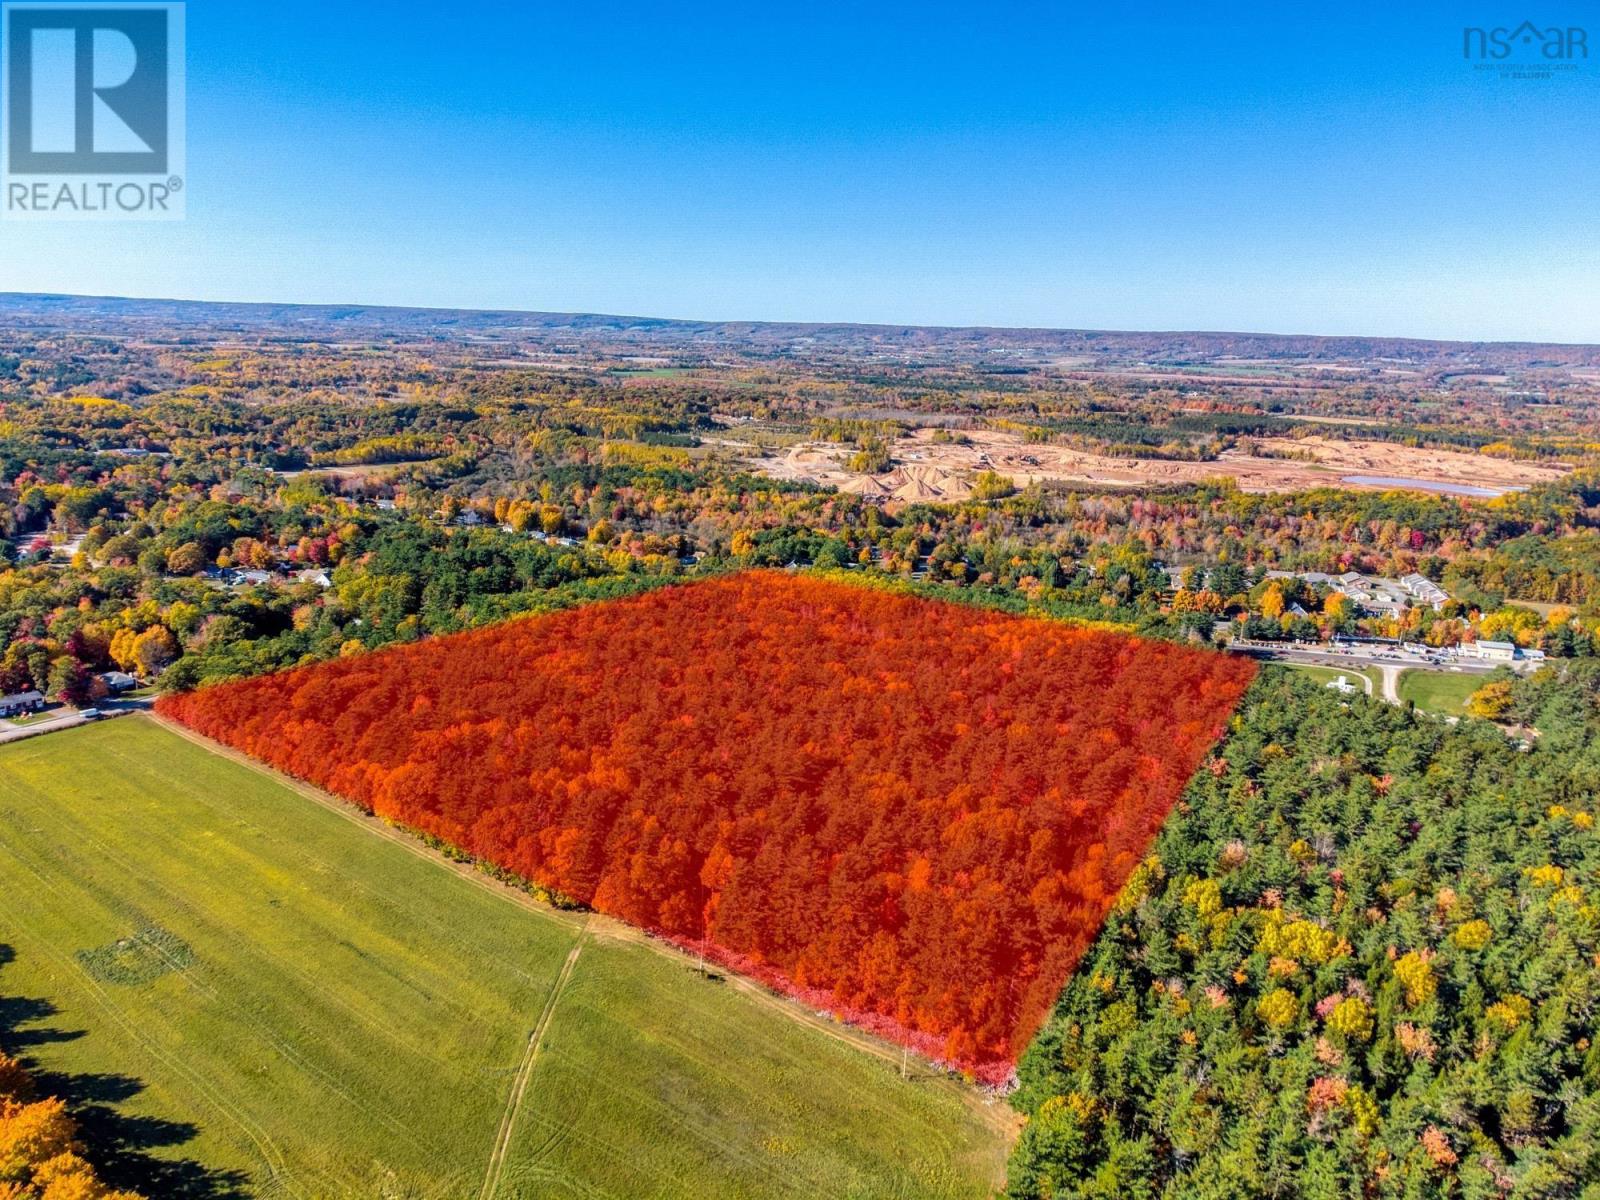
{"x": 1444, "y": 487}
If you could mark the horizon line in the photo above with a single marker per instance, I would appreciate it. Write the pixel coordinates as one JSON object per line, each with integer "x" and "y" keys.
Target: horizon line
{"x": 7, "y": 294}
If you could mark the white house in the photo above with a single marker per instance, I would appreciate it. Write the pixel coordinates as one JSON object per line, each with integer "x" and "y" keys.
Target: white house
{"x": 1373, "y": 595}
{"x": 1425, "y": 591}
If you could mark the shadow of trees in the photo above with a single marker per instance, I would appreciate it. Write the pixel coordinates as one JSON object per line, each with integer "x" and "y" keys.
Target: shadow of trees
{"x": 121, "y": 1145}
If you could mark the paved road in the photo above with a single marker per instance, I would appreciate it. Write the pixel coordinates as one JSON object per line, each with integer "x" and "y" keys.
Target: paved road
{"x": 1389, "y": 665}
{"x": 70, "y": 720}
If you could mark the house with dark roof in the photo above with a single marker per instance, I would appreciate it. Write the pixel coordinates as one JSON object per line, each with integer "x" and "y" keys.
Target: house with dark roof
{"x": 20, "y": 703}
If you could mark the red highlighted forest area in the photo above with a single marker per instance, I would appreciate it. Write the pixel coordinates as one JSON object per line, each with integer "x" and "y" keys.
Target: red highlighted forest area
{"x": 915, "y": 814}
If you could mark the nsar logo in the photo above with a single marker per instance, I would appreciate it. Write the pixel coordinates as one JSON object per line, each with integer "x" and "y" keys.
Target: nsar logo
{"x": 93, "y": 120}
{"x": 1526, "y": 51}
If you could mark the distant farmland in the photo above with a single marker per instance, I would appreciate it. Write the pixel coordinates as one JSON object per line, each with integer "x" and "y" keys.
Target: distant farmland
{"x": 244, "y": 994}
{"x": 915, "y": 814}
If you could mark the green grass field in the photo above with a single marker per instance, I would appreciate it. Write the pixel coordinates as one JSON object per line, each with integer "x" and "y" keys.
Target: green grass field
{"x": 244, "y": 993}
{"x": 1440, "y": 691}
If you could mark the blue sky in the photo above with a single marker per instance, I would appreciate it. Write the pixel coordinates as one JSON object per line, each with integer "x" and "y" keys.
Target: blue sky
{"x": 1246, "y": 168}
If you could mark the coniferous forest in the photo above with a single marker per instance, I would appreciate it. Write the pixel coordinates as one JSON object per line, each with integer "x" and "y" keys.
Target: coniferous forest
{"x": 1360, "y": 960}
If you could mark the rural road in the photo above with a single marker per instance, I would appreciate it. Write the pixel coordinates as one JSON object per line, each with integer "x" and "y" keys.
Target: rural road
{"x": 16, "y": 733}
{"x": 1353, "y": 660}
{"x": 71, "y": 720}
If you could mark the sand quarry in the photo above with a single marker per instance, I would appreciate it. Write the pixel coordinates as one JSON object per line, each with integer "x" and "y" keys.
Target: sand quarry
{"x": 932, "y": 471}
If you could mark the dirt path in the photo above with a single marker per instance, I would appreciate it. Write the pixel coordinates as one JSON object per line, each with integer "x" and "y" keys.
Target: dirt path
{"x": 519, "y": 1086}
{"x": 1391, "y": 684}
{"x": 995, "y": 1113}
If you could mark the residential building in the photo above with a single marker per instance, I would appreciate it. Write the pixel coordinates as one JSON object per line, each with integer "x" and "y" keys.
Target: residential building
{"x": 19, "y": 703}
{"x": 1425, "y": 591}
{"x": 1373, "y": 595}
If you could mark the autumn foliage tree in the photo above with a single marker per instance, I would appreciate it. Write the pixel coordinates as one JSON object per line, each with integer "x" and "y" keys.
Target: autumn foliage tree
{"x": 913, "y": 813}
{"x": 40, "y": 1155}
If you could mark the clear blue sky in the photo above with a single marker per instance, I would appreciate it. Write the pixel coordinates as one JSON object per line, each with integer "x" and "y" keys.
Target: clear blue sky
{"x": 1294, "y": 168}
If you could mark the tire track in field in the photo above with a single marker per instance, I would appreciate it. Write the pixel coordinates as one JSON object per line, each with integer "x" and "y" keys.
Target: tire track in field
{"x": 793, "y": 1180}
{"x": 373, "y": 824}
{"x": 191, "y": 977}
{"x": 998, "y": 1116}
{"x": 320, "y": 989}
{"x": 271, "y": 1154}
{"x": 519, "y": 1086}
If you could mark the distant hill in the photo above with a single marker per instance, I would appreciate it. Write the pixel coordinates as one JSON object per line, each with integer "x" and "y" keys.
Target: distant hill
{"x": 644, "y": 335}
